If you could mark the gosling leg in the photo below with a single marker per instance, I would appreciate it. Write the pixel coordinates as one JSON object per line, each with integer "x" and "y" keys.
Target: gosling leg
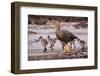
{"x": 45, "y": 49}
{"x": 52, "y": 48}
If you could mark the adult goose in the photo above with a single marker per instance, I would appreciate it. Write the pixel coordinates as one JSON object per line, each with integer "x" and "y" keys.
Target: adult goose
{"x": 64, "y": 35}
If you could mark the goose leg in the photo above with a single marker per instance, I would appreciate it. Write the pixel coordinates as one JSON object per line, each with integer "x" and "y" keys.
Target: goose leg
{"x": 63, "y": 44}
{"x": 68, "y": 45}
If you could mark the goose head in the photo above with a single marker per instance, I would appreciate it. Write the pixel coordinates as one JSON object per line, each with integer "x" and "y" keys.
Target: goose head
{"x": 58, "y": 23}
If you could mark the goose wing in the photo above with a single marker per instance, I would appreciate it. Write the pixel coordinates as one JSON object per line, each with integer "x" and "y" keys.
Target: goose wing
{"x": 68, "y": 36}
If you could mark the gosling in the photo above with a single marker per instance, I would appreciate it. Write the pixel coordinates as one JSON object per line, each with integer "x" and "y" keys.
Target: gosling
{"x": 51, "y": 41}
{"x": 72, "y": 43}
{"x": 44, "y": 43}
{"x": 82, "y": 43}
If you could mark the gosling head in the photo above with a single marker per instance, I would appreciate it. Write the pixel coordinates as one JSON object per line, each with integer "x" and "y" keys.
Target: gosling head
{"x": 40, "y": 37}
{"x": 82, "y": 42}
{"x": 48, "y": 36}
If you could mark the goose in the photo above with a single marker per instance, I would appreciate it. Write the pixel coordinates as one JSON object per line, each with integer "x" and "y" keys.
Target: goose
{"x": 64, "y": 36}
{"x": 51, "y": 41}
{"x": 44, "y": 42}
{"x": 82, "y": 43}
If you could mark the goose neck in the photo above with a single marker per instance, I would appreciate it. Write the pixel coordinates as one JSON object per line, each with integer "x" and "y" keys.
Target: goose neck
{"x": 58, "y": 27}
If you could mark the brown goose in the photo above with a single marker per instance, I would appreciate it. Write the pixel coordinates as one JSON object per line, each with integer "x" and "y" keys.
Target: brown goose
{"x": 64, "y": 35}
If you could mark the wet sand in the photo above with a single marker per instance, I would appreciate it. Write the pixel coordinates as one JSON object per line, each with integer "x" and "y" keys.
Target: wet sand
{"x": 57, "y": 54}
